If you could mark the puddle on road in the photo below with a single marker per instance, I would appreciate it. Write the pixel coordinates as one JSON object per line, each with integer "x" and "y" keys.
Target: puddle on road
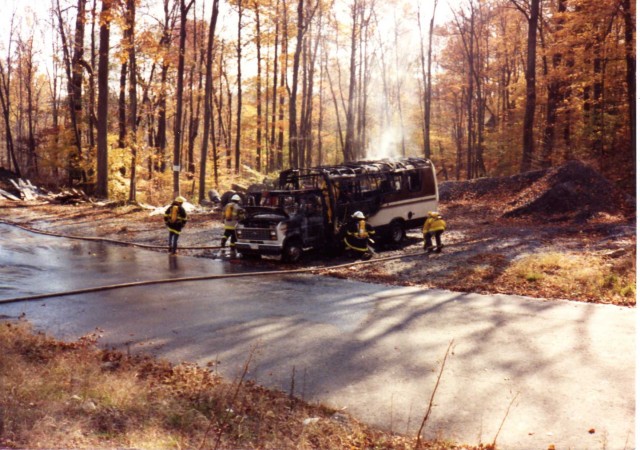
{"x": 33, "y": 263}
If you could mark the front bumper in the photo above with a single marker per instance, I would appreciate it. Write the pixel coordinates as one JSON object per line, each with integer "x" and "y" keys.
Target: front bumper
{"x": 258, "y": 248}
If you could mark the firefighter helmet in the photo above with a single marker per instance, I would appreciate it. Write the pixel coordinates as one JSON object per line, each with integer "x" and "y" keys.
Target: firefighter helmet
{"x": 433, "y": 214}
{"x": 358, "y": 215}
{"x": 180, "y": 199}
{"x": 235, "y": 198}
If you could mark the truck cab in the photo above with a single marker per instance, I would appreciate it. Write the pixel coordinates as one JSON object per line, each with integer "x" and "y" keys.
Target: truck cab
{"x": 285, "y": 223}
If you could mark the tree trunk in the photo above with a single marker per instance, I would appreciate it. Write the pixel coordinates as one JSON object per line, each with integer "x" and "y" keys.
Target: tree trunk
{"x": 630, "y": 78}
{"x": 102, "y": 188}
{"x": 274, "y": 96}
{"x": 177, "y": 125}
{"x": 294, "y": 148}
{"x": 530, "y": 107}
{"x": 76, "y": 62}
{"x": 553, "y": 96}
{"x": 426, "y": 80}
{"x": 307, "y": 114}
{"x": 239, "y": 81}
{"x": 5, "y": 102}
{"x": 122, "y": 107}
{"x": 283, "y": 78}
{"x": 208, "y": 101}
{"x": 91, "y": 107}
{"x": 133, "y": 99}
{"x": 161, "y": 107}
{"x": 349, "y": 145}
{"x": 72, "y": 162}
{"x": 258, "y": 90}
{"x": 469, "y": 98}
{"x": 29, "y": 82}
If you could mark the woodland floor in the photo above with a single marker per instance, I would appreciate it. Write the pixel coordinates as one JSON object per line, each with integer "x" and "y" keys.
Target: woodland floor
{"x": 493, "y": 226}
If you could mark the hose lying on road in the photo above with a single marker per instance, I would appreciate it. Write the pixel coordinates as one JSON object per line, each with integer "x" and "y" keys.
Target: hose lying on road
{"x": 317, "y": 269}
{"x": 100, "y": 239}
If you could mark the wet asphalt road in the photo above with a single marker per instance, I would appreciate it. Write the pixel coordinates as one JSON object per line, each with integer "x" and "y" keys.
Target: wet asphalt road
{"x": 373, "y": 350}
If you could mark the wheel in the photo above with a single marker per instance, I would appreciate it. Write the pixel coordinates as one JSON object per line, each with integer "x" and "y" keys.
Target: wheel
{"x": 292, "y": 252}
{"x": 396, "y": 232}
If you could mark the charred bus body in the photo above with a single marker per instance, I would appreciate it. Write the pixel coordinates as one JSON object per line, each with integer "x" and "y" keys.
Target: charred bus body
{"x": 310, "y": 206}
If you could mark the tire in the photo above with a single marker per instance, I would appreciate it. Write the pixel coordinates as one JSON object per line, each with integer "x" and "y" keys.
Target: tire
{"x": 292, "y": 252}
{"x": 396, "y": 232}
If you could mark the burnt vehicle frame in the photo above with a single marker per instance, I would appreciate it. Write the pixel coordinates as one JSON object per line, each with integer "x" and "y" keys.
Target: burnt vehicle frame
{"x": 310, "y": 207}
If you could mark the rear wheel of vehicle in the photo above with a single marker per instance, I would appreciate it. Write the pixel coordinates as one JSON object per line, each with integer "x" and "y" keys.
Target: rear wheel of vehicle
{"x": 396, "y": 232}
{"x": 292, "y": 252}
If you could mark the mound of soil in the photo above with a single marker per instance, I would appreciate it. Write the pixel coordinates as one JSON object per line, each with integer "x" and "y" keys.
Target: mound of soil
{"x": 482, "y": 187}
{"x": 573, "y": 191}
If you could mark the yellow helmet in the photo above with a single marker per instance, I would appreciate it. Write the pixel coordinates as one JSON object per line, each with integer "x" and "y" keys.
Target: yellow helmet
{"x": 180, "y": 199}
{"x": 433, "y": 214}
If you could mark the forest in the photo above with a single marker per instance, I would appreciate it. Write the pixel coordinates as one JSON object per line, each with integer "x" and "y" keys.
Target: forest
{"x": 139, "y": 100}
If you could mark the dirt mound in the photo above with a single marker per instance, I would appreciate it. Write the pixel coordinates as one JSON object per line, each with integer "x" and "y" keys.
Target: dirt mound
{"x": 482, "y": 187}
{"x": 573, "y": 191}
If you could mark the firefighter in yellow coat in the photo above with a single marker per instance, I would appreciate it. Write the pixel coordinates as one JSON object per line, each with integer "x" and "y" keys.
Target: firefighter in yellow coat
{"x": 233, "y": 212}
{"x": 434, "y": 226}
{"x": 358, "y": 235}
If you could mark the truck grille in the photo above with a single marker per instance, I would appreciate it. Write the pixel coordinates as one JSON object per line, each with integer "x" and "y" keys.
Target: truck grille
{"x": 257, "y": 234}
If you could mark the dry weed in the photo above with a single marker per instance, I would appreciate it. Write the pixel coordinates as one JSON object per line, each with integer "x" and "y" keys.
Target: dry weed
{"x": 588, "y": 277}
{"x": 72, "y": 395}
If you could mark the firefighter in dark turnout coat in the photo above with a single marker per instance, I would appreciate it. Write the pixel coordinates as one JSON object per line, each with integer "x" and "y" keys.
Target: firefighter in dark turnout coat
{"x": 358, "y": 235}
{"x": 175, "y": 218}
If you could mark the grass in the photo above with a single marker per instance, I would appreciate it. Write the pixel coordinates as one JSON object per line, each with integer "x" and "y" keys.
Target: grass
{"x": 577, "y": 276}
{"x": 74, "y": 395}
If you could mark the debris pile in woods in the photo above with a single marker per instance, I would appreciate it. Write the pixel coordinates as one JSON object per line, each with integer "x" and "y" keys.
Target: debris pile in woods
{"x": 483, "y": 187}
{"x": 571, "y": 192}
{"x": 14, "y": 188}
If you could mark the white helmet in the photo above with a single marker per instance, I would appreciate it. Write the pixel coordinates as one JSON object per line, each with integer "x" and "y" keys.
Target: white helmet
{"x": 358, "y": 215}
{"x": 235, "y": 198}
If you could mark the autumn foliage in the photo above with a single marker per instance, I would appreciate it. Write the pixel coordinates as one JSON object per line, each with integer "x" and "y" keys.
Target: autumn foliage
{"x": 175, "y": 101}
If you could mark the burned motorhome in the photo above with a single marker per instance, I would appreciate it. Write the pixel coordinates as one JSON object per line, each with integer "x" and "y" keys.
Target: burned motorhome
{"x": 309, "y": 207}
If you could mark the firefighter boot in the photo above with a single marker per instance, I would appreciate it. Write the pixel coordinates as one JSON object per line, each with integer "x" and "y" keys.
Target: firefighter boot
{"x": 222, "y": 244}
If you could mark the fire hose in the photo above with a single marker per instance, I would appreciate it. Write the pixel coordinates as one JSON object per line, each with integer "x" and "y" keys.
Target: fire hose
{"x": 317, "y": 269}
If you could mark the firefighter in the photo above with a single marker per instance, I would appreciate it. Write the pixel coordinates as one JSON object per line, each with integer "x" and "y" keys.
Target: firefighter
{"x": 175, "y": 218}
{"x": 359, "y": 235}
{"x": 434, "y": 226}
{"x": 233, "y": 212}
